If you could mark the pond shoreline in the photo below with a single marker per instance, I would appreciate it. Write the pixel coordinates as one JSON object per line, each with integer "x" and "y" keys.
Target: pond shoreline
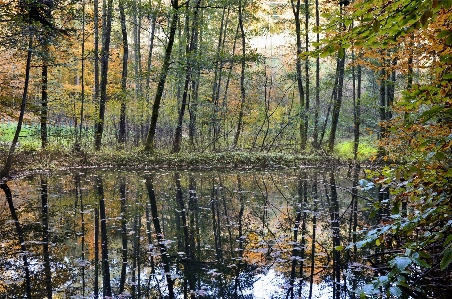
{"x": 26, "y": 162}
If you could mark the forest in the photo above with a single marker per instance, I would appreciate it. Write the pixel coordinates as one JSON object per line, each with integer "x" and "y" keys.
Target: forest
{"x": 244, "y": 84}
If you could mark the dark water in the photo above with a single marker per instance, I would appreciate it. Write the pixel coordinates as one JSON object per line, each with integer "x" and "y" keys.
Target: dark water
{"x": 169, "y": 234}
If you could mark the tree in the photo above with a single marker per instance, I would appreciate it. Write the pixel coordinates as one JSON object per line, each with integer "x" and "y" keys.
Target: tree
{"x": 125, "y": 49}
{"x": 296, "y": 9}
{"x": 338, "y": 89}
{"x": 190, "y": 53}
{"x": 242, "y": 76}
{"x": 418, "y": 135}
{"x": 150, "y": 140}
{"x": 106, "y": 37}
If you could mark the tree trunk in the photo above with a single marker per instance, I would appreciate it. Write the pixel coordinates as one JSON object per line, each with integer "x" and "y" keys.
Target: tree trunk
{"x": 339, "y": 87}
{"x": 190, "y": 48}
{"x": 218, "y": 68}
{"x": 315, "y": 135}
{"x": 9, "y": 159}
{"x": 106, "y": 33}
{"x": 337, "y": 102}
{"x": 125, "y": 49}
{"x": 307, "y": 78}
{"x": 149, "y": 62}
{"x": 382, "y": 109}
{"x": 296, "y": 12}
{"x": 96, "y": 59}
{"x": 78, "y": 137}
{"x": 356, "y": 111}
{"x": 150, "y": 140}
{"x": 44, "y": 98}
{"x": 242, "y": 79}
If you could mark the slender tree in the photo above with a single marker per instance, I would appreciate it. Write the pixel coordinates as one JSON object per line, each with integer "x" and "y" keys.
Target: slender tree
{"x": 315, "y": 142}
{"x": 150, "y": 140}
{"x": 78, "y": 137}
{"x": 189, "y": 51}
{"x": 9, "y": 158}
{"x": 106, "y": 37}
{"x": 296, "y": 8}
{"x": 242, "y": 77}
{"x": 338, "y": 90}
{"x": 125, "y": 56}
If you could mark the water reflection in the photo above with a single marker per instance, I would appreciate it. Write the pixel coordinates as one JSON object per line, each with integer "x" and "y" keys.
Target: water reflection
{"x": 182, "y": 235}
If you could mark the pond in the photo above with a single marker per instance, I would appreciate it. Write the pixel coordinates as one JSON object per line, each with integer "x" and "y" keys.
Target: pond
{"x": 184, "y": 234}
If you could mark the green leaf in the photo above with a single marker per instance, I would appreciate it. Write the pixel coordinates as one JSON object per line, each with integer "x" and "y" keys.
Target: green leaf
{"x": 444, "y": 33}
{"x": 341, "y": 52}
{"x": 440, "y": 156}
{"x": 422, "y": 263}
{"x": 449, "y": 39}
{"x": 395, "y": 291}
{"x": 396, "y": 208}
{"x": 401, "y": 262}
{"x": 448, "y": 240}
{"x": 446, "y": 3}
{"x": 376, "y": 26}
{"x": 446, "y": 260}
{"x": 424, "y": 18}
{"x": 339, "y": 248}
{"x": 431, "y": 112}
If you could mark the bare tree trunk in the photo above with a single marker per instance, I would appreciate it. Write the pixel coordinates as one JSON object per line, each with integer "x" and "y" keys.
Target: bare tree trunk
{"x": 307, "y": 78}
{"x": 337, "y": 102}
{"x": 106, "y": 33}
{"x": 96, "y": 58}
{"x": 78, "y": 137}
{"x": 242, "y": 78}
{"x": 150, "y": 140}
{"x": 382, "y": 109}
{"x": 218, "y": 68}
{"x": 338, "y": 95}
{"x": 9, "y": 159}
{"x": 356, "y": 111}
{"x": 125, "y": 49}
{"x": 190, "y": 48}
{"x": 296, "y": 6}
{"x": 315, "y": 136}
{"x": 44, "y": 97}
{"x": 153, "y": 19}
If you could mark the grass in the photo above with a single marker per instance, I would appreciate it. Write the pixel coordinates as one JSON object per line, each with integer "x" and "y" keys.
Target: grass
{"x": 366, "y": 150}
{"x": 60, "y": 154}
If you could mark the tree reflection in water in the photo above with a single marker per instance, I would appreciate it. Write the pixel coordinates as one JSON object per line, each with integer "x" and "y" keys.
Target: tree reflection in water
{"x": 269, "y": 234}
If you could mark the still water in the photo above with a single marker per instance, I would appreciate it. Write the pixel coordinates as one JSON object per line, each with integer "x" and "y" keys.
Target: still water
{"x": 186, "y": 234}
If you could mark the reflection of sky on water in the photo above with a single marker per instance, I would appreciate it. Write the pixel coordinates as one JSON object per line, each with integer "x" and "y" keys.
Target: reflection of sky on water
{"x": 274, "y": 285}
